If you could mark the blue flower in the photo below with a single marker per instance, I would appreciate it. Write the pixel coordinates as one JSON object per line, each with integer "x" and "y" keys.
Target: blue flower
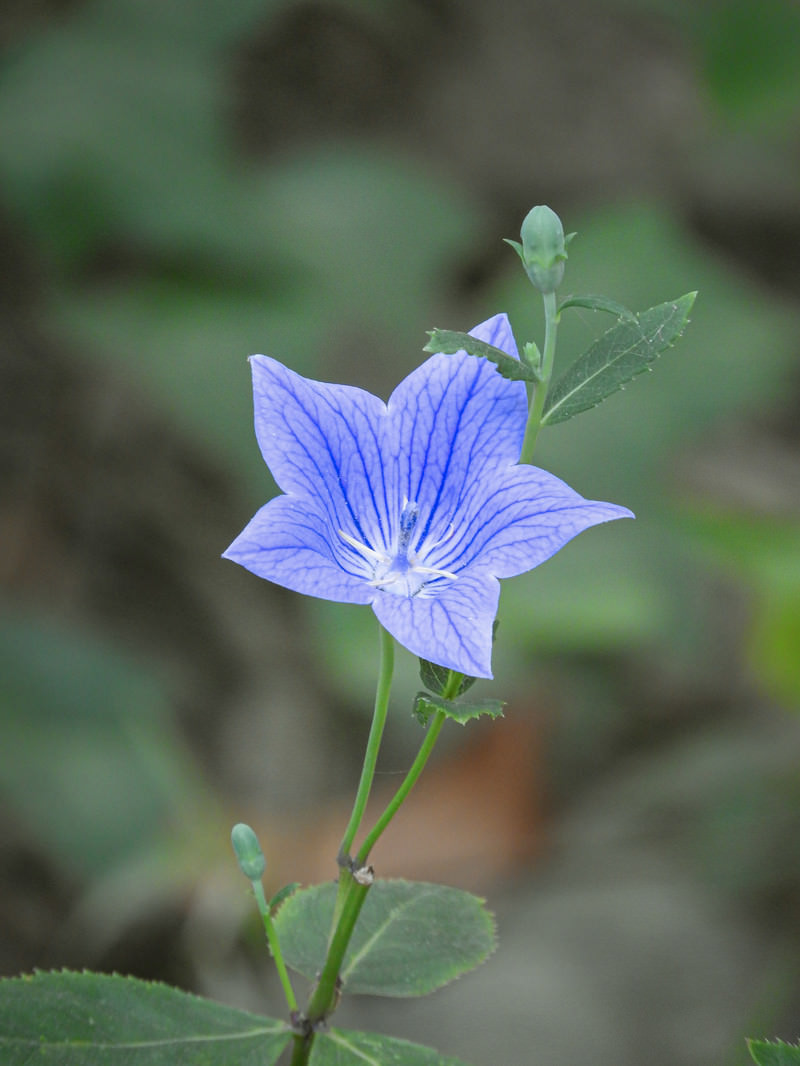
{"x": 415, "y": 507}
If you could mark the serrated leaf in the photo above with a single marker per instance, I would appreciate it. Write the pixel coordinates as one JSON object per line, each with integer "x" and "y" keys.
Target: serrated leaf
{"x": 86, "y": 1019}
{"x": 598, "y": 303}
{"x": 411, "y": 937}
{"x": 449, "y": 342}
{"x": 426, "y": 705}
{"x": 436, "y": 677}
{"x": 774, "y": 1053}
{"x": 614, "y": 359}
{"x": 283, "y": 894}
{"x": 343, "y": 1047}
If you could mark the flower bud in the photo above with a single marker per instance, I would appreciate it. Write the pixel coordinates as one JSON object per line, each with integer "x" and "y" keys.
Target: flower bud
{"x": 543, "y": 249}
{"x": 248, "y": 852}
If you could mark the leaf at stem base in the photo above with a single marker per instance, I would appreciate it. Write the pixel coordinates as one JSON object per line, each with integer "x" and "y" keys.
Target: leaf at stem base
{"x": 344, "y": 1047}
{"x": 87, "y": 1019}
{"x": 411, "y": 937}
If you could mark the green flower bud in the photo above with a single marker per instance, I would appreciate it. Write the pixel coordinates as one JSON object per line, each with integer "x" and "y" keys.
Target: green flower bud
{"x": 248, "y": 852}
{"x": 543, "y": 249}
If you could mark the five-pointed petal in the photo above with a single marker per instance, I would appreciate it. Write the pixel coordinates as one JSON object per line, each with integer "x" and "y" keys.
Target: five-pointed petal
{"x": 417, "y": 506}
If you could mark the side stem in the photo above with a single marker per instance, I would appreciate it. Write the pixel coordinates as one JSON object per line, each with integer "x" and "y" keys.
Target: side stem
{"x": 434, "y": 729}
{"x": 384, "y": 685}
{"x": 539, "y": 394}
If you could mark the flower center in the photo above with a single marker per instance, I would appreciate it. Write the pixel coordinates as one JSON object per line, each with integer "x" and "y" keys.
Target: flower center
{"x": 400, "y": 569}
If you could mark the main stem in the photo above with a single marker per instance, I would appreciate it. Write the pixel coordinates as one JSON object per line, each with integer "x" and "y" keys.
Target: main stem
{"x": 352, "y": 893}
{"x": 539, "y": 394}
{"x": 384, "y": 685}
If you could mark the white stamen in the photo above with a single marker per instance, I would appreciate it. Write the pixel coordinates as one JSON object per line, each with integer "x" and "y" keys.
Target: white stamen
{"x": 396, "y": 568}
{"x": 369, "y": 553}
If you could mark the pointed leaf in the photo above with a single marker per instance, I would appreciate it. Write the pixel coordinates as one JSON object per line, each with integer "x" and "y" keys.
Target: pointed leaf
{"x": 86, "y": 1019}
{"x": 410, "y": 939}
{"x": 598, "y": 303}
{"x": 774, "y": 1053}
{"x": 449, "y": 342}
{"x": 426, "y": 705}
{"x": 343, "y": 1047}
{"x": 435, "y": 678}
{"x": 616, "y": 358}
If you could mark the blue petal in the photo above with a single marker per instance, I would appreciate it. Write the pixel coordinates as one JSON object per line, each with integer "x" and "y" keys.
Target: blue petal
{"x": 452, "y": 628}
{"x": 288, "y": 542}
{"x": 327, "y": 443}
{"x": 497, "y": 332}
{"x": 520, "y": 520}
{"x": 456, "y": 420}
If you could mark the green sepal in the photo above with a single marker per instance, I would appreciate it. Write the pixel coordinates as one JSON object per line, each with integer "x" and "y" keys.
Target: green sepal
{"x": 281, "y": 895}
{"x": 598, "y": 303}
{"x": 774, "y": 1053}
{"x": 410, "y": 939}
{"x": 426, "y": 705}
{"x": 435, "y": 678}
{"x": 346, "y": 1047}
{"x": 625, "y": 350}
{"x": 448, "y": 342}
{"x": 87, "y": 1019}
{"x": 516, "y": 246}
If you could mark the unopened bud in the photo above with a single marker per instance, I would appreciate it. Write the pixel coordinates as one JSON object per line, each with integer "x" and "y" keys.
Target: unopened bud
{"x": 248, "y": 852}
{"x": 544, "y": 248}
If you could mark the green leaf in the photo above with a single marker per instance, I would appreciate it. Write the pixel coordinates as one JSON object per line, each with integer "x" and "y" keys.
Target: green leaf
{"x": 774, "y": 1053}
{"x": 614, "y": 359}
{"x": 93, "y": 1020}
{"x": 426, "y": 705}
{"x": 598, "y": 303}
{"x": 343, "y": 1047}
{"x": 448, "y": 342}
{"x": 411, "y": 937}
{"x": 282, "y": 895}
{"x": 435, "y": 678}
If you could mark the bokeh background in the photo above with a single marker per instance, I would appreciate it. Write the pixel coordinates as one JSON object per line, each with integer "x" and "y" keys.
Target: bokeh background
{"x": 184, "y": 183}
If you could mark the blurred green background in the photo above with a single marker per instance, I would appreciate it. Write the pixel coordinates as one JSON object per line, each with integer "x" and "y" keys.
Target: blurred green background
{"x": 183, "y": 184}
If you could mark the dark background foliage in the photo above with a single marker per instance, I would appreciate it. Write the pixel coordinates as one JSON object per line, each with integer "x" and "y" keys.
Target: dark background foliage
{"x": 183, "y": 184}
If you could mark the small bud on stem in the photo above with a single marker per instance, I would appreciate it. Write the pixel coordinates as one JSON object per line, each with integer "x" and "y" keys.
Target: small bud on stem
{"x": 544, "y": 248}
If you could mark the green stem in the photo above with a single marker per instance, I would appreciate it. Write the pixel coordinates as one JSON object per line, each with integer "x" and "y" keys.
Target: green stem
{"x": 326, "y": 993}
{"x": 274, "y": 946}
{"x": 539, "y": 392}
{"x": 352, "y": 893}
{"x": 434, "y": 729}
{"x": 373, "y": 741}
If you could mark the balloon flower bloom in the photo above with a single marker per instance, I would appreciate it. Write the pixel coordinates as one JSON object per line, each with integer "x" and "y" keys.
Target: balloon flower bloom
{"x": 417, "y": 506}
